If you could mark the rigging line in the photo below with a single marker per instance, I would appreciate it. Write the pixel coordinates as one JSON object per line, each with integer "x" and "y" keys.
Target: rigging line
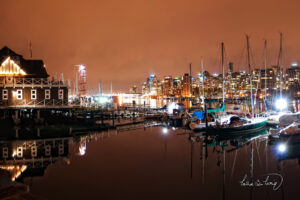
{"x": 257, "y": 147}
{"x": 253, "y": 64}
{"x": 232, "y": 169}
{"x": 225, "y": 59}
{"x": 241, "y": 59}
{"x": 265, "y": 63}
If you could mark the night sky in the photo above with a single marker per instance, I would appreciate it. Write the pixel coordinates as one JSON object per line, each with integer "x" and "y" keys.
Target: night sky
{"x": 124, "y": 41}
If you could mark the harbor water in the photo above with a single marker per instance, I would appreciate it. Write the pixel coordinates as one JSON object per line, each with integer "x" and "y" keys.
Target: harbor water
{"x": 155, "y": 163}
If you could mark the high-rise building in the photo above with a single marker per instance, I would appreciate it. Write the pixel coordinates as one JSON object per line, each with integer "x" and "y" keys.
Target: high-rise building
{"x": 186, "y": 85}
{"x": 293, "y": 73}
{"x": 167, "y": 86}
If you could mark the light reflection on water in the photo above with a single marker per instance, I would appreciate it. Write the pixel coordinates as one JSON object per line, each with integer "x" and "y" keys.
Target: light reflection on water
{"x": 156, "y": 164}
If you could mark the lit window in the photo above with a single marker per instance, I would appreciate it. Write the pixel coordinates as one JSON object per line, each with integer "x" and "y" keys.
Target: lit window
{"x": 60, "y": 94}
{"x": 33, "y": 94}
{"x": 19, "y": 94}
{"x": 47, "y": 94}
{"x": 5, "y": 94}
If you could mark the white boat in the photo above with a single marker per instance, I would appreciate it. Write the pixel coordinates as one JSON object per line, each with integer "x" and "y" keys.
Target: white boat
{"x": 291, "y": 130}
{"x": 273, "y": 118}
{"x": 289, "y": 118}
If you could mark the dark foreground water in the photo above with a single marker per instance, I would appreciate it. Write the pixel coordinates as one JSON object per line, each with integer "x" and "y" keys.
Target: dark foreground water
{"x": 150, "y": 164}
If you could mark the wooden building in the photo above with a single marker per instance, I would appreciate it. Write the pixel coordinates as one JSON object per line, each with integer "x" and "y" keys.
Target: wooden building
{"x": 26, "y": 84}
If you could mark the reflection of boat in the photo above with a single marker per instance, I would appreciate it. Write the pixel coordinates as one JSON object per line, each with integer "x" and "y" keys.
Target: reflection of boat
{"x": 238, "y": 140}
{"x": 235, "y": 140}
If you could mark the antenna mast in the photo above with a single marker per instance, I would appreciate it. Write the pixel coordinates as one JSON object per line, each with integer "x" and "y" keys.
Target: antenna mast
{"x": 30, "y": 49}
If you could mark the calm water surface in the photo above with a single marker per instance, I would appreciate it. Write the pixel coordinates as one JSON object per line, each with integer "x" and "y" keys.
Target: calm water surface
{"x": 150, "y": 164}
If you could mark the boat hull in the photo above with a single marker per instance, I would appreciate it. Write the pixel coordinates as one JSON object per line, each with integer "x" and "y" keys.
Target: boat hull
{"x": 240, "y": 130}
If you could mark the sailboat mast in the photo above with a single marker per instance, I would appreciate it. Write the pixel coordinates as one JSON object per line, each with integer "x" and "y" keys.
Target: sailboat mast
{"x": 250, "y": 73}
{"x": 111, "y": 92}
{"x": 100, "y": 89}
{"x": 222, "y": 49}
{"x": 265, "y": 62}
{"x": 279, "y": 65}
{"x": 191, "y": 84}
{"x": 202, "y": 66}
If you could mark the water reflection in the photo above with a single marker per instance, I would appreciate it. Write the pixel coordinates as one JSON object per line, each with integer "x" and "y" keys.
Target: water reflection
{"x": 27, "y": 158}
{"x": 31, "y": 157}
{"x": 286, "y": 150}
{"x": 258, "y": 184}
{"x": 136, "y": 162}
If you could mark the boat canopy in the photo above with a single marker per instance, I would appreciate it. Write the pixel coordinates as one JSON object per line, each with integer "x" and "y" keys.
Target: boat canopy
{"x": 217, "y": 109}
{"x": 200, "y": 114}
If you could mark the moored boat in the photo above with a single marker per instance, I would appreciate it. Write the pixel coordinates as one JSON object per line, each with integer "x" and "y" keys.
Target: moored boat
{"x": 240, "y": 126}
{"x": 291, "y": 131}
{"x": 234, "y": 126}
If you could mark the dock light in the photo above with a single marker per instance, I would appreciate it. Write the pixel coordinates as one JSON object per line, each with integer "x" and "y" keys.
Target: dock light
{"x": 103, "y": 100}
{"x": 281, "y": 148}
{"x": 171, "y": 107}
{"x": 165, "y": 130}
{"x": 281, "y": 104}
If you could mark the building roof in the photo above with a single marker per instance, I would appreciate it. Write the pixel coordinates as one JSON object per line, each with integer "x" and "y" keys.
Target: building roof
{"x": 33, "y": 68}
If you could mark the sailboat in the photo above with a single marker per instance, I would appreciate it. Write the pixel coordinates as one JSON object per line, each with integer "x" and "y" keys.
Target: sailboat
{"x": 283, "y": 117}
{"x": 205, "y": 113}
{"x": 232, "y": 124}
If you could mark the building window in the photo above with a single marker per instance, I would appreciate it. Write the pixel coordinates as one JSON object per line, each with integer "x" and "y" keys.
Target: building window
{"x": 5, "y": 94}
{"x": 33, "y": 94}
{"x": 47, "y": 94}
{"x": 19, "y": 94}
{"x": 60, "y": 94}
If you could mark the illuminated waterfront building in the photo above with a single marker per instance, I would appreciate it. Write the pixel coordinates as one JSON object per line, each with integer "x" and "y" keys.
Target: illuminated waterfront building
{"x": 24, "y": 83}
